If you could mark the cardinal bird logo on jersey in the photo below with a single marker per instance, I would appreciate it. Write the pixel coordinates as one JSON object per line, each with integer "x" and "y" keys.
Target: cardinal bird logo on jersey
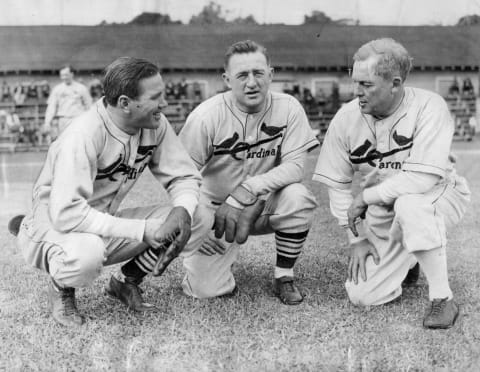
{"x": 402, "y": 140}
{"x": 366, "y": 153}
{"x": 362, "y": 154}
{"x": 231, "y": 147}
{"x": 229, "y": 142}
{"x": 271, "y": 130}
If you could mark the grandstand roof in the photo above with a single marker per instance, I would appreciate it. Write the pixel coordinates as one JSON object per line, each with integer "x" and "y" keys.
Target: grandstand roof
{"x": 185, "y": 47}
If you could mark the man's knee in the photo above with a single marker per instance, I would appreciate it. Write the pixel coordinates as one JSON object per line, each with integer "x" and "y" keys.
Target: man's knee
{"x": 208, "y": 276}
{"x": 364, "y": 294}
{"x": 81, "y": 263}
{"x": 202, "y": 223}
{"x": 298, "y": 195}
{"x": 203, "y": 288}
{"x": 293, "y": 209}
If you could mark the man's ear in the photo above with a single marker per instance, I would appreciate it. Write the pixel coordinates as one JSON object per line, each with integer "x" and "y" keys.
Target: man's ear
{"x": 226, "y": 79}
{"x": 124, "y": 103}
{"x": 397, "y": 83}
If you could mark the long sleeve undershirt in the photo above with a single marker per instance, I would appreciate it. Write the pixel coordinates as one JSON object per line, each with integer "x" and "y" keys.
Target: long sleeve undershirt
{"x": 384, "y": 193}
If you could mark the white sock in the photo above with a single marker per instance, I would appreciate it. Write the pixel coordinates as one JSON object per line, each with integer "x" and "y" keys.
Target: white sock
{"x": 434, "y": 266}
{"x": 280, "y": 271}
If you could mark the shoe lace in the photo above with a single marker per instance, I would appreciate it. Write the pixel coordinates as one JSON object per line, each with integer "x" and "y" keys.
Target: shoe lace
{"x": 437, "y": 306}
{"x": 68, "y": 301}
{"x": 288, "y": 286}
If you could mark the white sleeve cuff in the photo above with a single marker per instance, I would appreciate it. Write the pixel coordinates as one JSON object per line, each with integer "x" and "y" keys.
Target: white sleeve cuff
{"x": 187, "y": 201}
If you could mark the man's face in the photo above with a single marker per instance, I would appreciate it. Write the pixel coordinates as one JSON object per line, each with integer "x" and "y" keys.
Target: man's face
{"x": 249, "y": 77}
{"x": 376, "y": 95}
{"x": 66, "y": 75}
{"x": 146, "y": 109}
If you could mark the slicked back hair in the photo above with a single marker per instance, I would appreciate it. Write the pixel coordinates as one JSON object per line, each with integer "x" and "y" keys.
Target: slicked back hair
{"x": 393, "y": 59}
{"x": 123, "y": 75}
{"x": 243, "y": 47}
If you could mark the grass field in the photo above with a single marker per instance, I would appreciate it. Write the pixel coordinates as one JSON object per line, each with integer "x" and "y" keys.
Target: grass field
{"x": 251, "y": 331}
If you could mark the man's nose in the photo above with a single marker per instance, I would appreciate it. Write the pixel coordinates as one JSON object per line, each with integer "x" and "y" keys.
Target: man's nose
{"x": 251, "y": 80}
{"x": 162, "y": 103}
{"x": 358, "y": 90}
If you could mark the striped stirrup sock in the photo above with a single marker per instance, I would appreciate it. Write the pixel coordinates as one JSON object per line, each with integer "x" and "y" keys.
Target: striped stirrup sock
{"x": 289, "y": 246}
{"x": 141, "y": 265}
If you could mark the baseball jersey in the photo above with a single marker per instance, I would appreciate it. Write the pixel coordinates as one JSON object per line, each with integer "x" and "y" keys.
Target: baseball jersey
{"x": 231, "y": 147}
{"x": 416, "y": 137}
{"x": 67, "y": 101}
{"x": 91, "y": 167}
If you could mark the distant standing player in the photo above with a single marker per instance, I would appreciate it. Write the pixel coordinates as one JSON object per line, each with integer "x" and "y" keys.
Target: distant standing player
{"x": 249, "y": 144}
{"x": 398, "y": 138}
{"x": 75, "y": 226}
{"x": 66, "y": 101}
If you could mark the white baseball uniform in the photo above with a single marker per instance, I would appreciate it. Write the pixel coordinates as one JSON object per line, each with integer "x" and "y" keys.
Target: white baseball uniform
{"x": 417, "y": 192}
{"x": 75, "y": 227}
{"x": 264, "y": 151}
{"x": 65, "y": 102}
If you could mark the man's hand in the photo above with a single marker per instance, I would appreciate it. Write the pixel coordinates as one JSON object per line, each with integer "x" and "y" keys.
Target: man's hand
{"x": 176, "y": 229}
{"x": 237, "y": 215}
{"x": 358, "y": 256}
{"x": 236, "y": 223}
{"x": 212, "y": 245}
{"x": 357, "y": 209}
{"x": 170, "y": 237}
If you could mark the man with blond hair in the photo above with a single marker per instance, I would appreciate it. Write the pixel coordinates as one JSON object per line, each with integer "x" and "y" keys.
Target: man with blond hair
{"x": 398, "y": 139}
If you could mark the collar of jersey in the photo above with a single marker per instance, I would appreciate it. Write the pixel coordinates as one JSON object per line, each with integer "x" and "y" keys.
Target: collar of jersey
{"x": 111, "y": 127}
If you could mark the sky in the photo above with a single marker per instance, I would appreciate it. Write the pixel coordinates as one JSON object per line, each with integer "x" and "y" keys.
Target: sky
{"x": 368, "y": 12}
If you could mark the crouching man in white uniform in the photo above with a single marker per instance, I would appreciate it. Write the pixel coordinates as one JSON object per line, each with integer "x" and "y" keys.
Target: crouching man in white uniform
{"x": 250, "y": 145}
{"x": 75, "y": 227}
{"x": 398, "y": 139}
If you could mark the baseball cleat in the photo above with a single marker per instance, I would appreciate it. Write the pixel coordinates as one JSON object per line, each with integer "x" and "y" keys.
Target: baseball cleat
{"x": 412, "y": 276}
{"x": 286, "y": 290}
{"x": 129, "y": 293}
{"x": 441, "y": 314}
{"x": 63, "y": 305}
{"x": 14, "y": 224}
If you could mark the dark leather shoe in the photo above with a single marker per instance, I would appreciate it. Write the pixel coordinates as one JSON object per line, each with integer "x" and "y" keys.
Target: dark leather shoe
{"x": 442, "y": 314}
{"x": 63, "y": 305}
{"x": 286, "y": 290}
{"x": 129, "y": 293}
{"x": 412, "y": 276}
{"x": 14, "y": 224}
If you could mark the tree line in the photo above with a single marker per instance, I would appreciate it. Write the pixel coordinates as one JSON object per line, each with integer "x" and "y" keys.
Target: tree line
{"x": 215, "y": 14}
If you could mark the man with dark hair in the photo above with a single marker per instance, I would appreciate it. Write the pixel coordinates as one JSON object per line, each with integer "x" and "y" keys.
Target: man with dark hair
{"x": 398, "y": 139}
{"x": 250, "y": 145}
{"x": 66, "y": 101}
{"x": 75, "y": 228}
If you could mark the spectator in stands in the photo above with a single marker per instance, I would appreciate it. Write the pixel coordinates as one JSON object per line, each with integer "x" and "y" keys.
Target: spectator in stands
{"x": 320, "y": 97}
{"x": 19, "y": 94}
{"x": 182, "y": 88}
{"x": 472, "y": 126}
{"x": 467, "y": 87}
{"x": 6, "y": 94}
{"x": 13, "y": 122}
{"x": 286, "y": 88}
{"x": 67, "y": 100}
{"x": 169, "y": 87}
{"x": 309, "y": 102}
{"x": 45, "y": 88}
{"x": 96, "y": 89}
{"x": 454, "y": 88}
{"x": 197, "y": 91}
